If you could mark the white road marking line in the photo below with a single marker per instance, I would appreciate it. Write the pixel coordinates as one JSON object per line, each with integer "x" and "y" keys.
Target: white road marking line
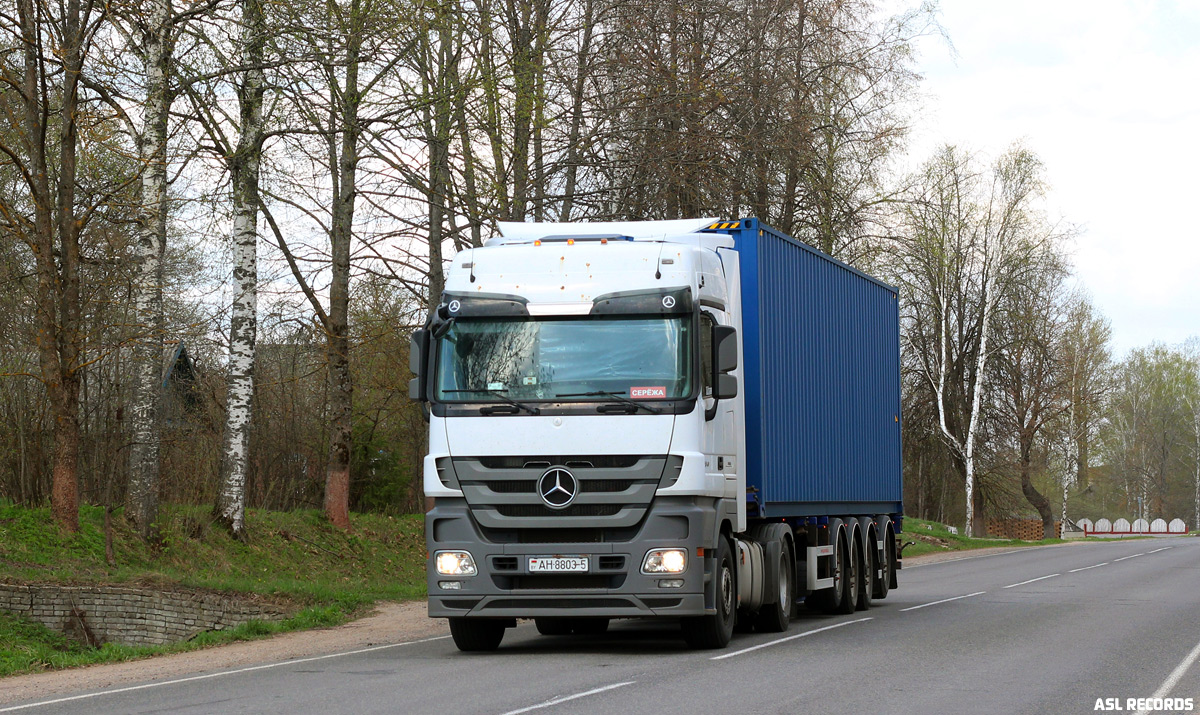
{"x": 1162, "y": 549}
{"x": 788, "y": 638}
{"x": 1173, "y": 679}
{"x": 206, "y": 676}
{"x": 944, "y": 600}
{"x": 1085, "y": 568}
{"x": 565, "y": 698}
{"x": 1127, "y": 557}
{"x": 1039, "y": 578}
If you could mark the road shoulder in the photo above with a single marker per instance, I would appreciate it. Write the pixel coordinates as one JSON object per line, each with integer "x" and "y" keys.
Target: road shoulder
{"x": 389, "y": 623}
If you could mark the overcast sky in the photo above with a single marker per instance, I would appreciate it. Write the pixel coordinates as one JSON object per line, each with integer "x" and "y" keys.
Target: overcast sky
{"x": 1107, "y": 93}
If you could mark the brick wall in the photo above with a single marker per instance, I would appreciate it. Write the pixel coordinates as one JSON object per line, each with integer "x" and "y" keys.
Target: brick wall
{"x": 131, "y": 616}
{"x": 1023, "y": 529}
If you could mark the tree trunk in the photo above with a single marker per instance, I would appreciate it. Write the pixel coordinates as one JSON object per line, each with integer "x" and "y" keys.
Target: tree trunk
{"x": 55, "y": 242}
{"x": 341, "y": 385}
{"x": 573, "y": 134}
{"x": 1032, "y": 495}
{"x": 231, "y": 500}
{"x": 141, "y": 504}
{"x": 438, "y": 136}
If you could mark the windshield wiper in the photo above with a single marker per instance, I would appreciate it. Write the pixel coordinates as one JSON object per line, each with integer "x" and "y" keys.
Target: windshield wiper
{"x": 503, "y": 398}
{"x": 616, "y": 396}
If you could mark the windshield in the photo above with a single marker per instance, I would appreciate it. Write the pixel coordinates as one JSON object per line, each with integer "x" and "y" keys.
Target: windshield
{"x": 642, "y": 358}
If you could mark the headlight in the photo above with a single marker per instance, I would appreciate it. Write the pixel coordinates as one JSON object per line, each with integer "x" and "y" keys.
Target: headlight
{"x": 454, "y": 563}
{"x": 665, "y": 561}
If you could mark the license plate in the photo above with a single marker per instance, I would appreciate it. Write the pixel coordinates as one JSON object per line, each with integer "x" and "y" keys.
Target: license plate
{"x": 557, "y": 564}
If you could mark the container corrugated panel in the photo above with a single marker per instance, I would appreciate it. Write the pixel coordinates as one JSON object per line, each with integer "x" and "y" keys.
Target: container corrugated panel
{"x": 821, "y": 345}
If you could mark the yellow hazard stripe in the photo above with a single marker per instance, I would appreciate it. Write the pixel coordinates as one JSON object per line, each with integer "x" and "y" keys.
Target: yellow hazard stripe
{"x": 721, "y": 225}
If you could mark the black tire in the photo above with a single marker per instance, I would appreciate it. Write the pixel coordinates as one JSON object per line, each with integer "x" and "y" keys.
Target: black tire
{"x": 848, "y": 547}
{"x": 553, "y": 626}
{"x": 893, "y": 564}
{"x": 715, "y": 631}
{"x": 775, "y": 617}
{"x": 866, "y": 571}
{"x": 476, "y": 634}
{"x": 589, "y": 626}
{"x": 884, "y": 582}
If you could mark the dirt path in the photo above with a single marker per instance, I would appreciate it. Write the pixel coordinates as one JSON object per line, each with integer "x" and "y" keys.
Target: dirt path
{"x": 390, "y": 623}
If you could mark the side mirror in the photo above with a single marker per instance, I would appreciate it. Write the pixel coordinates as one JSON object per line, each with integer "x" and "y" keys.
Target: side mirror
{"x": 725, "y": 359}
{"x": 418, "y": 363}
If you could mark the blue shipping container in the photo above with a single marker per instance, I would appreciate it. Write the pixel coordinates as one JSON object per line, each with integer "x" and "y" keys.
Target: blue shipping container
{"x": 821, "y": 345}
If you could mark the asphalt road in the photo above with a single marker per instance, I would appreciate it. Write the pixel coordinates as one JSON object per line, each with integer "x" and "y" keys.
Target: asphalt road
{"x": 1045, "y": 630}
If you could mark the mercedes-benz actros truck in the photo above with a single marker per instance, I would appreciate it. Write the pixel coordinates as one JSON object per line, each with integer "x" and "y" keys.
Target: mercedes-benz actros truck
{"x": 695, "y": 420}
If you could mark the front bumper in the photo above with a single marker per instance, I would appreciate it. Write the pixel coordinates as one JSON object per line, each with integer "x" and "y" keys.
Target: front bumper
{"x": 613, "y": 586}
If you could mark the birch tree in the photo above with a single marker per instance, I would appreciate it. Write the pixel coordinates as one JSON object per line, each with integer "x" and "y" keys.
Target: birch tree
{"x": 244, "y": 167}
{"x": 141, "y": 501}
{"x": 965, "y": 238}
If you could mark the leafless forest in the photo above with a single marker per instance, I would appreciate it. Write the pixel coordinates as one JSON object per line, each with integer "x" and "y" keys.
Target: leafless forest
{"x": 221, "y": 219}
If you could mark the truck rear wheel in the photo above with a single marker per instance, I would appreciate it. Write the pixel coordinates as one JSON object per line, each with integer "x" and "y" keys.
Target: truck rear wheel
{"x": 866, "y": 573}
{"x": 775, "y": 617}
{"x": 715, "y": 631}
{"x": 476, "y": 634}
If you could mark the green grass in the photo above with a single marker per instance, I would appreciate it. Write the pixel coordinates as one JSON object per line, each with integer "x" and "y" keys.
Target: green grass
{"x": 295, "y": 559}
{"x": 932, "y": 537}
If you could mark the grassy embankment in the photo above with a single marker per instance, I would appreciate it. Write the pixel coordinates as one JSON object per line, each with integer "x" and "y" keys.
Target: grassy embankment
{"x": 932, "y": 537}
{"x": 296, "y": 558}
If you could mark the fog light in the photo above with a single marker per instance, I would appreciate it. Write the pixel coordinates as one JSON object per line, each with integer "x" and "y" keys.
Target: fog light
{"x": 450, "y": 585}
{"x": 671, "y": 583}
{"x": 454, "y": 563}
{"x": 665, "y": 561}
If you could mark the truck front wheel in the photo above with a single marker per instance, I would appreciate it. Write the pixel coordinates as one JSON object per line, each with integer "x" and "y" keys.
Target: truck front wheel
{"x": 476, "y": 634}
{"x": 715, "y": 631}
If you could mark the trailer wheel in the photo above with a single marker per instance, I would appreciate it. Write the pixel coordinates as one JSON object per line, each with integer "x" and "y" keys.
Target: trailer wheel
{"x": 893, "y": 567}
{"x": 848, "y": 547}
{"x": 715, "y": 631}
{"x": 774, "y": 617}
{"x": 869, "y": 561}
{"x": 553, "y": 626}
{"x": 476, "y": 634}
{"x": 884, "y": 582}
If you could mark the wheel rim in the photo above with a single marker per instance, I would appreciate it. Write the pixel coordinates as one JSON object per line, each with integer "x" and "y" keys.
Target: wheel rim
{"x": 726, "y": 590}
{"x": 869, "y": 575}
{"x": 839, "y": 571}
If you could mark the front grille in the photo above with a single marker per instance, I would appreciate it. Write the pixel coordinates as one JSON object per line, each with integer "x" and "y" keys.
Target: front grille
{"x": 614, "y": 491}
{"x": 605, "y": 485}
{"x": 572, "y": 602}
{"x": 512, "y": 486}
{"x": 602, "y": 461}
{"x": 611, "y": 562}
{"x": 535, "y": 582}
{"x": 504, "y": 563}
{"x": 537, "y": 510}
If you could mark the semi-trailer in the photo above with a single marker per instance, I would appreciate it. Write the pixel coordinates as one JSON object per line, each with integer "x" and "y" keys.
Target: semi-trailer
{"x": 695, "y": 420}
